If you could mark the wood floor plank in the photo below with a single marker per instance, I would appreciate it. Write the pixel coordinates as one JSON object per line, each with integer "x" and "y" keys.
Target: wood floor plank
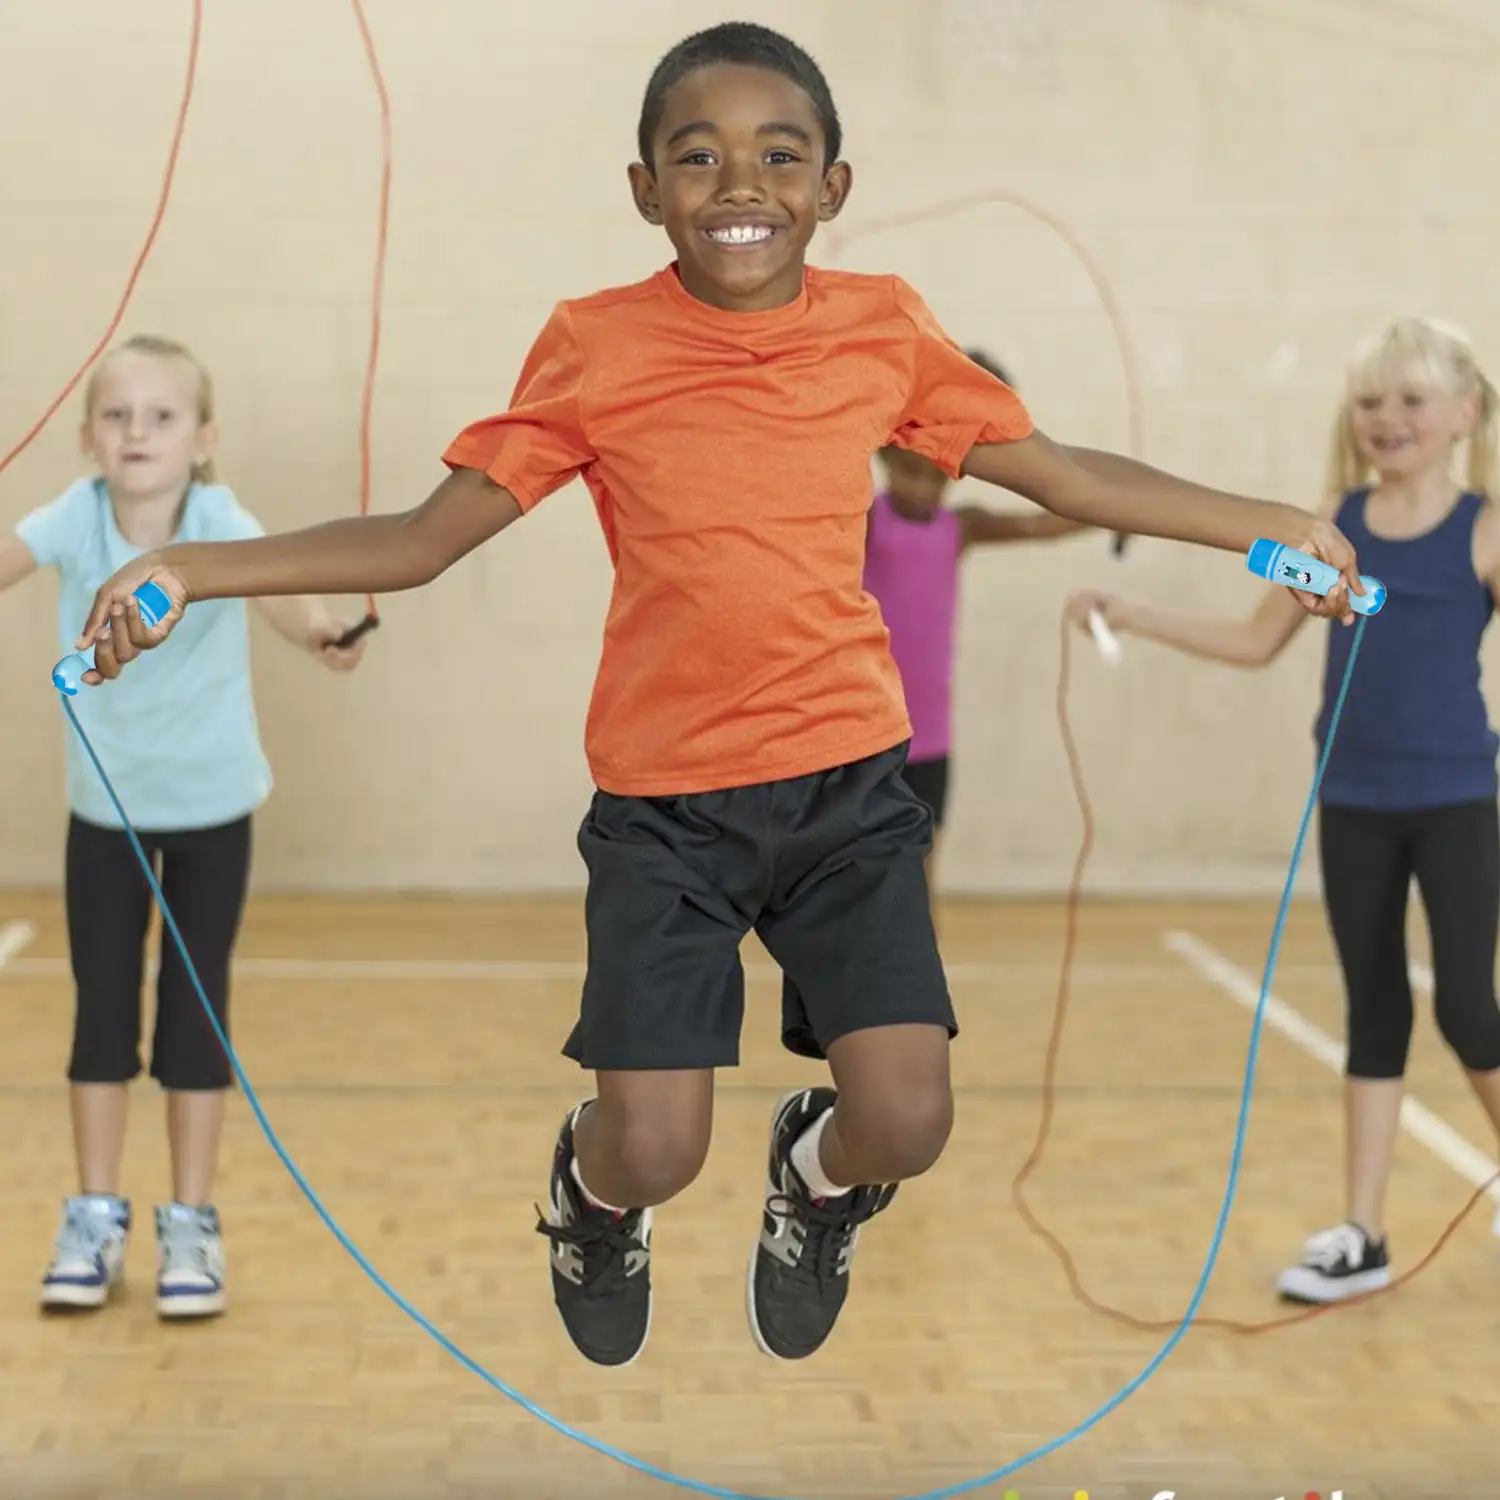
{"x": 423, "y": 1109}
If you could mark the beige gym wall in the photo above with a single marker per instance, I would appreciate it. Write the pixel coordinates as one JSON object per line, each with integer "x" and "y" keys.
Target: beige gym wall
{"x": 1262, "y": 181}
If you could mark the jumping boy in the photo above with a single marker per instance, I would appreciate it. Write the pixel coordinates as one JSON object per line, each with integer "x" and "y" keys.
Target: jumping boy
{"x": 747, "y": 730}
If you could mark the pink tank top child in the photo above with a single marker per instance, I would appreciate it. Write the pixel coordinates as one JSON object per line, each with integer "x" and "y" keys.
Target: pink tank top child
{"x": 911, "y": 569}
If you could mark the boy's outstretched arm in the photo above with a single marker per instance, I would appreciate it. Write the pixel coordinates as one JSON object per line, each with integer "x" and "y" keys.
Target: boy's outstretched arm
{"x": 358, "y": 555}
{"x": 1122, "y": 495}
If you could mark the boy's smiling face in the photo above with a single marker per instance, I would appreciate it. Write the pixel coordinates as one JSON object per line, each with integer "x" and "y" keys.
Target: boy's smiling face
{"x": 739, "y": 184}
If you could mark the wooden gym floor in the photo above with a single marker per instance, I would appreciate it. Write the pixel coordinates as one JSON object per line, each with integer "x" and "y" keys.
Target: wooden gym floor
{"x": 407, "y": 1052}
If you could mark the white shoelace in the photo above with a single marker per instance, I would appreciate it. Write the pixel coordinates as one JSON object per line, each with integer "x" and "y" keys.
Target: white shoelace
{"x": 83, "y": 1233}
{"x": 1331, "y": 1247}
{"x": 184, "y": 1247}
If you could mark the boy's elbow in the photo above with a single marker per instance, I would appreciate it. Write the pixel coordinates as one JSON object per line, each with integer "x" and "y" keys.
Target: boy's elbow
{"x": 416, "y": 554}
{"x": 1070, "y": 504}
{"x": 426, "y": 564}
{"x": 466, "y": 510}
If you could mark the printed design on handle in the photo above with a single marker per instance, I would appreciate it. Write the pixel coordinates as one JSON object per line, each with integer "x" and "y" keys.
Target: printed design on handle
{"x": 1292, "y": 569}
{"x": 67, "y": 675}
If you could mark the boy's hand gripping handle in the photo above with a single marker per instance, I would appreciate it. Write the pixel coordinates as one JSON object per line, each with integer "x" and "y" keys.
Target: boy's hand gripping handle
{"x": 67, "y": 675}
{"x": 1279, "y": 564}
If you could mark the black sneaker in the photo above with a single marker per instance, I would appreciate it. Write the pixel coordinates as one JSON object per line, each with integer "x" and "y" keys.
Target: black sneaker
{"x": 799, "y": 1269}
{"x": 601, "y": 1264}
{"x": 1337, "y": 1263}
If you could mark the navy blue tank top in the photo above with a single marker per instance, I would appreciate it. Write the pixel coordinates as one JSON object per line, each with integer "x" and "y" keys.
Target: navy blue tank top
{"x": 1415, "y": 731}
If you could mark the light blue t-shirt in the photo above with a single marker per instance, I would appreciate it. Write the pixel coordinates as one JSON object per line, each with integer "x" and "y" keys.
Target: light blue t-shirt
{"x": 176, "y": 732}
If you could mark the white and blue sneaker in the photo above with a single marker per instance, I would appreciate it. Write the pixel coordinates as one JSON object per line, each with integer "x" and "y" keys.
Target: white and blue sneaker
{"x": 88, "y": 1260}
{"x": 190, "y": 1266}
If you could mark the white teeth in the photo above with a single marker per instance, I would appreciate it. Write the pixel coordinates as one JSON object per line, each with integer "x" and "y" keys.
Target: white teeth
{"x": 740, "y": 234}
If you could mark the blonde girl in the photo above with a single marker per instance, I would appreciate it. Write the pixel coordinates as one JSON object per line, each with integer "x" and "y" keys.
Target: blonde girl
{"x": 183, "y": 750}
{"x": 1410, "y": 790}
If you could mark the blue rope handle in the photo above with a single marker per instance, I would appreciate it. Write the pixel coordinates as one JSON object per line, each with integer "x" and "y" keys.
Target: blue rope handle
{"x": 641, "y": 1465}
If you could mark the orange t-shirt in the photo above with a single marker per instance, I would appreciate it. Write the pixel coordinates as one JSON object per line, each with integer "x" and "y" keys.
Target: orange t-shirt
{"x": 728, "y": 455}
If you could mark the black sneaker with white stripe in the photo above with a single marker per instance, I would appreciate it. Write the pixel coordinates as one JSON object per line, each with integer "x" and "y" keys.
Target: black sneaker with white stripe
{"x": 1337, "y": 1263}
{"x": 799, "y": 1269}
{"x": 601, "y": 1264}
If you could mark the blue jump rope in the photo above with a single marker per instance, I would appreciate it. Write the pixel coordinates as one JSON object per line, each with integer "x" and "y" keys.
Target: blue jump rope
{"x": 1267, "y": 560}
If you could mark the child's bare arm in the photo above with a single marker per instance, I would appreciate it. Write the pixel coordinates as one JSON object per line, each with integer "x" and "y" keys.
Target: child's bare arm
{"x": 304, "y": 620}
{"x": 1122, "y": 495}
{"x": 1253, "y": 640}
{"x": 359, "y": 555}
{"x": 982, "y": 527}
{"x": 1487, "y": 549}
{"x": 16, "y": 561}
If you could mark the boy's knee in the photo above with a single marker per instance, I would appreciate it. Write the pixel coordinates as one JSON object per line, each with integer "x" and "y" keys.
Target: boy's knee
{"x": 900, "y": 1138}
{"x": 657, "y": 1157}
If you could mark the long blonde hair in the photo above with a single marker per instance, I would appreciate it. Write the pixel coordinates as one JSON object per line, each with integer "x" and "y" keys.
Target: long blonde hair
{"x": 163, "y": 348}
{"x": 1427, "y": 352}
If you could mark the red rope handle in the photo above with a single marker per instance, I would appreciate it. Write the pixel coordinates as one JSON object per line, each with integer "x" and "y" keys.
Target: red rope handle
{"x": 163, "y": 198}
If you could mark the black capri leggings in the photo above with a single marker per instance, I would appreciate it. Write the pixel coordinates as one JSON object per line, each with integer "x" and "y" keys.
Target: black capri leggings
{"x": 204, "y": 873}
{"x": 1369, "y": 858}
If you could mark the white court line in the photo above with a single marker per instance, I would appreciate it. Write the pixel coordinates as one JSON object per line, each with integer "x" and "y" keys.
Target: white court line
{"x": 14, "y": 936}
{"x": 1417, "y": 1120}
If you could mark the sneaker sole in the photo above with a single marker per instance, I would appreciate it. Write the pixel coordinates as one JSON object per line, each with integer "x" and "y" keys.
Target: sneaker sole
{"x": 1309, "y": 1288}
{"x": 63, "y": 1298}
{"x": 199, "y": 1305}
{"x": 771, "y": 1188}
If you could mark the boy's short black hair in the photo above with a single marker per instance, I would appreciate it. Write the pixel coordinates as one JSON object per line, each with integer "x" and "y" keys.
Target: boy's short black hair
{"x": 748, "y": 45}
{"x": 988, "y": 362}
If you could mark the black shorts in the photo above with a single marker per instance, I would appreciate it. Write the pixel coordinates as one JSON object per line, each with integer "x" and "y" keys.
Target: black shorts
{"x": 827, "y": 869}
{"x": 929, "y": 780}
